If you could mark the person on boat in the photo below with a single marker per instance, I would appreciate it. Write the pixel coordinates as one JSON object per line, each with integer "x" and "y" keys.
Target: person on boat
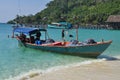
{"x": 38, "y": 34}
{"x": 63, "y": 35}
{"x": 37, "y": 39}
{"x": 32, "y": 39}
{"x": 22, "y": 37}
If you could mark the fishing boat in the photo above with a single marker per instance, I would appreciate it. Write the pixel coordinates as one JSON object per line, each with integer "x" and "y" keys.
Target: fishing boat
{"x": 60, "y": 25}
{"x": 87, "y": 49}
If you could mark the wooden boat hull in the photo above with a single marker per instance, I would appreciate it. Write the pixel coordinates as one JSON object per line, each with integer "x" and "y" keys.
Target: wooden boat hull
{"x": 92, "y": 50}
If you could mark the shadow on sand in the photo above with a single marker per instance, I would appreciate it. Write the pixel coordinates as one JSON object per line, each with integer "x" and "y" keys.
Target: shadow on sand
{"x": 108, "y": 58}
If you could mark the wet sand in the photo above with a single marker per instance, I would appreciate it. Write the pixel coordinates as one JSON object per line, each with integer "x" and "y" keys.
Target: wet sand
{"x": 105, "y": 70}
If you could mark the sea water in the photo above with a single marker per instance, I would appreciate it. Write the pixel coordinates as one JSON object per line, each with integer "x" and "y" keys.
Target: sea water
{"x": 17, "y": 62}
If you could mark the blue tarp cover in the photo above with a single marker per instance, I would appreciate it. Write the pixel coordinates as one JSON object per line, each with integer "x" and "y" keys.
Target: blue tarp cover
{"x": 25, "y": 30}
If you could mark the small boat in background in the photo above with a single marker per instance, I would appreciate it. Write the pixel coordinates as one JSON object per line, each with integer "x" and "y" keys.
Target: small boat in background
{"x": 30, "y": 37}
{"x": 60, "y": 25}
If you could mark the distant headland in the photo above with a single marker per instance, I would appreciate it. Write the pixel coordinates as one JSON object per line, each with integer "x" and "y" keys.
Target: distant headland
{"x": 76, "y": 12}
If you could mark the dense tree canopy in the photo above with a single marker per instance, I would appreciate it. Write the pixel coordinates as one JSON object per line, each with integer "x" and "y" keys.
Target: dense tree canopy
{"x": 74, "y": 11}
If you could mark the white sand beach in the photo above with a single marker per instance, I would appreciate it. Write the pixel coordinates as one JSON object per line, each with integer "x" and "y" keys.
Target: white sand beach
{"x": 105, "y": 70}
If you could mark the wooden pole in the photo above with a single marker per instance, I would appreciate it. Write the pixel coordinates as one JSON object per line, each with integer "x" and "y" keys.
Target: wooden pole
{"x": 77, "y": 32}
{"x": 13, "y": 33}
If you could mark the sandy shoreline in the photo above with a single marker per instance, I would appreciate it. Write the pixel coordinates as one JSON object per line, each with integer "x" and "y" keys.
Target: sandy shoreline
{"x": 105, "y": 70}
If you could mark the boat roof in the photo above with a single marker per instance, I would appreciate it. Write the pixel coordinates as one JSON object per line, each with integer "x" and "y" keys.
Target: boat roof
{"x": 65, "y": 24}
{"x": 61, "y": 23}
{"x": 56, "y": 23}
{"x": 27, "y": 30}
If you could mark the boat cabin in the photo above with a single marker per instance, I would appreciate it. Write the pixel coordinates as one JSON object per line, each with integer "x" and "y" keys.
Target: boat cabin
{"x": 31, "y": 35}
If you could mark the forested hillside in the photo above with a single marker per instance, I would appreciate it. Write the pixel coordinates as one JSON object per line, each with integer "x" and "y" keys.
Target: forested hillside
{"x": 74, "y": 11}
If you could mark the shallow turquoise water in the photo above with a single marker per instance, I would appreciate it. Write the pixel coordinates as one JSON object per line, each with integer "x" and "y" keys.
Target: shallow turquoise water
{"x": 16, "y": 60}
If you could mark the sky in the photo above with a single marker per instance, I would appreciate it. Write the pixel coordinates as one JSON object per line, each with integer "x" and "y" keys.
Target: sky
{"x": 10, "y": 8}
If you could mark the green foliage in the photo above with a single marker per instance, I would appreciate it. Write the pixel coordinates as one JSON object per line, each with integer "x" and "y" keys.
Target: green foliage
{"x": 74, "y": 11}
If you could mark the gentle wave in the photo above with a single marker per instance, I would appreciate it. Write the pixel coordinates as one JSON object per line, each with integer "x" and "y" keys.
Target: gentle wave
{"x": 33, "y": 73}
